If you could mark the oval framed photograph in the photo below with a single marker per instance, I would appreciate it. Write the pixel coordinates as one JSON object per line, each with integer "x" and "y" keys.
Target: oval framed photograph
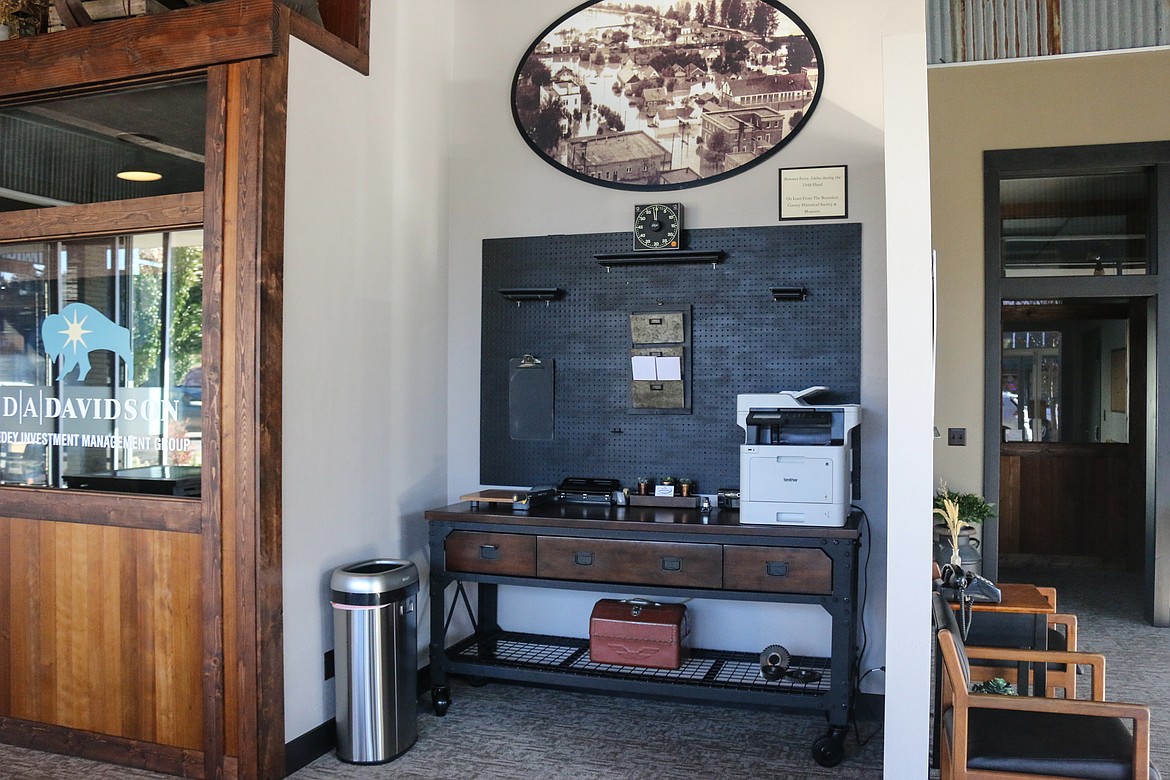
{"x": 666, "y": 94}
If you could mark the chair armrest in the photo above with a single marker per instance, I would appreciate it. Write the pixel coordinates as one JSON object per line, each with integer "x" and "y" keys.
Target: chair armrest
{"x": 1095, "y": 661}
{"x": 1070, "y": 627}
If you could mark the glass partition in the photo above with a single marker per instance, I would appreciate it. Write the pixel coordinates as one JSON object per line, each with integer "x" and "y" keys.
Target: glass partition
{"x": 105, "y": 146}
{"x": 100, "y": 363}
{"x": 1076, "y": 225}
{"x": 1064, "y": 372}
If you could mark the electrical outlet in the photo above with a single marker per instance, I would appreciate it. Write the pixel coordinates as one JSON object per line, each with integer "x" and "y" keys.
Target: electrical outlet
{"x": 956, "y": 437}
{"x": 328, "y": 664}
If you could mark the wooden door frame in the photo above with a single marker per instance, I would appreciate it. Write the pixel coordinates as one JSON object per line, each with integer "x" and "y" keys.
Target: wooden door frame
{"x": 243, "y": 47}
{"x": 1152, "y": 287}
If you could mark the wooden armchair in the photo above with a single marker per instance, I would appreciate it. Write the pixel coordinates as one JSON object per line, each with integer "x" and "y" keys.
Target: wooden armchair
{"x": 1062, "y": 636}
{"x": 992, "y": 737}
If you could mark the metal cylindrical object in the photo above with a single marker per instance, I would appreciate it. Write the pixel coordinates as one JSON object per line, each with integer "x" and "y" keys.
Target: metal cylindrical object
{"x": 376, "y": 658}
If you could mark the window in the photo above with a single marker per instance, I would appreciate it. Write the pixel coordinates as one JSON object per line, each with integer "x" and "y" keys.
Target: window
{"x": 100, "y": 358}
{"x": 1076, "y": 225}
{"x": 78, "y": 149}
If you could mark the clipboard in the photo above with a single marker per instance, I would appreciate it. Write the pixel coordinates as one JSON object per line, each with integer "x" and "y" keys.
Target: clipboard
{"x": 531, "y": 399}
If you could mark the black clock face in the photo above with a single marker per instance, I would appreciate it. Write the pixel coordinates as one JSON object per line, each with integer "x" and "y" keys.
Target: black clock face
{"x": 658, "y": 226}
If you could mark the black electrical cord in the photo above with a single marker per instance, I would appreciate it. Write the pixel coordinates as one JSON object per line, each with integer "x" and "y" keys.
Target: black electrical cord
{"x": 867, "y": 543}
{"x": 856, "y": 730}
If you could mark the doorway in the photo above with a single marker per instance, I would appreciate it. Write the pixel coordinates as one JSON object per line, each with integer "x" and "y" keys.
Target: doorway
{"x": 1072, "y": 445}
{"x": 1074, "y": 309}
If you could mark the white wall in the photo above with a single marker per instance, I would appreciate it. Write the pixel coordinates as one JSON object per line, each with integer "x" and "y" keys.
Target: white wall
{"x": 394, "y": 182}
{"x": 365, "y": 324}
{"x": 911, "y": 387}
{"x": 499, "y": 187}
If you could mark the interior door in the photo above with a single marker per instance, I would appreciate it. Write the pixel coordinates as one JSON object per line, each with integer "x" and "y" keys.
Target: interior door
{"x": 1074, "y": 345}
{"x": 1071, "y": 451}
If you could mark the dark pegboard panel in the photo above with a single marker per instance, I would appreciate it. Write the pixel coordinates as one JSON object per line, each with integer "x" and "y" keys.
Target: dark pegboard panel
{"x": 742, "y": 342}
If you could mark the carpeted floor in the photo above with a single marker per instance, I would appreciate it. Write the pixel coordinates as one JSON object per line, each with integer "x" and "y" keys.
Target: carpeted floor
{"x": 500, "y": 732}
{"x": 1110, "y": 620}
{"x": 506, "y": 732}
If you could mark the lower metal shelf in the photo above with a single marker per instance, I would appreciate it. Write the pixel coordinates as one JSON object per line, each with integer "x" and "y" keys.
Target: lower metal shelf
{"x": 716, "y": 669}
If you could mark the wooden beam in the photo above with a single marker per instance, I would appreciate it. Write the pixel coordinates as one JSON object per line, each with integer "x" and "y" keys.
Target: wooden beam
{"x": 162, "y": 212}
{"x": 126, "y": 49}
{"x": 250, "y": 382}
{"x": 155, "y": 513}
{"x": 214, "y": 672}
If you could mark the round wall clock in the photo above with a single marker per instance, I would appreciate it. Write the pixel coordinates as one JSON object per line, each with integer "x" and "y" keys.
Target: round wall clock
{"x": 662, "y": 95}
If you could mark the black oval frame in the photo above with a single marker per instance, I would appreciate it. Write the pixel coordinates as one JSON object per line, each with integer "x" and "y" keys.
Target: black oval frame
{"x": 808, "y": 112}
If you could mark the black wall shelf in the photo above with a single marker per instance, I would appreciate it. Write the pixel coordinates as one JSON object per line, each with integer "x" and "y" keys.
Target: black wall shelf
{"x": 672, "y": 256}
{"x": 520, "y": 294}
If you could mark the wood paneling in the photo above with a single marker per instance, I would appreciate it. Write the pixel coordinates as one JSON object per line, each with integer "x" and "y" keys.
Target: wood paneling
{"x": 99, "y": 747}
{"x": 1008, "y": 510}
{"x": 355, "y": 20}
{"x": 349, "y": 20}
{"x": 101, "y": 630}
{"x": 1073, "y": 499}
{"x": 164, "y": 212}
{"x": 153, "y": 513}
{"x": 132, "y": 48}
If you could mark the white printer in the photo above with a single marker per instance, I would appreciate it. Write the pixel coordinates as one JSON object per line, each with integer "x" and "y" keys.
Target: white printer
{"x": 796, "y": 462}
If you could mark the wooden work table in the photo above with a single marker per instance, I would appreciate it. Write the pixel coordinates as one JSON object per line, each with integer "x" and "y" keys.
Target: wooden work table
{"x": 651, "y": 552}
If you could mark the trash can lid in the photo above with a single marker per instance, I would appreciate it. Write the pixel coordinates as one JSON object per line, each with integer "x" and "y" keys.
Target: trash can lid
{"x": 380, "y": 575}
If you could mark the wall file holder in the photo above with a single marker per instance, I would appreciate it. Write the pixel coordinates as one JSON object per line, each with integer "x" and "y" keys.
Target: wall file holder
{"x": 660, "y": 371}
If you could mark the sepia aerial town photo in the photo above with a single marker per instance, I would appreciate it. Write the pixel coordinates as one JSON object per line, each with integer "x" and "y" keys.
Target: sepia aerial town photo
{"x": 666, "y": 93}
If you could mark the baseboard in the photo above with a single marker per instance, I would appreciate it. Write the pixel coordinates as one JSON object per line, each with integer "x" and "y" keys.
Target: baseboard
{"x": 120, "y": 751}
{"x": 316, "y": 742}
{"x": 310, "y": 746}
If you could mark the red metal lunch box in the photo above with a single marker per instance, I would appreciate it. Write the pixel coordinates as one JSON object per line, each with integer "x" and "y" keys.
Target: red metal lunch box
{"x": 639, "y": 633}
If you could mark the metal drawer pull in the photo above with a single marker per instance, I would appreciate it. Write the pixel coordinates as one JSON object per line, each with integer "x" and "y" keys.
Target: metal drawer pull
{"x": 489, "y": 552}
{"x": 583, "y": 558}
{"x": 777, "y": 568}
{"x": 670, "y": 563}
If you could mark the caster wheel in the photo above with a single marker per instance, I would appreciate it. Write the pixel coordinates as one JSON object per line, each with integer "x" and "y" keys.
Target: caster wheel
{"x": 828, "y": 750}
{"x": 475, "y": 681}
{"x": 441, "y": 699}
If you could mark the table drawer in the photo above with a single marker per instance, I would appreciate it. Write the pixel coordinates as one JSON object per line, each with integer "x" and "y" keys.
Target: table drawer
{"x": 777, "y": 569}
{"x": 628, "y": 561}
{"x": 489, "y": 553}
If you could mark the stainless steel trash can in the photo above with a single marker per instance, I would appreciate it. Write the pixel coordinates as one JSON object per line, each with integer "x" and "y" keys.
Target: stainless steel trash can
{"x": 376, "y": 654}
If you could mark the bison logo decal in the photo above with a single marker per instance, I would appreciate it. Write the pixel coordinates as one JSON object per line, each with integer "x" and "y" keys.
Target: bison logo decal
{"x": 80, "y": 329}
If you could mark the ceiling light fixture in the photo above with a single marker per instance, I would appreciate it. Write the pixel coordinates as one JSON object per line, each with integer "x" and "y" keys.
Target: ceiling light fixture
{"x": 137, "y": 170}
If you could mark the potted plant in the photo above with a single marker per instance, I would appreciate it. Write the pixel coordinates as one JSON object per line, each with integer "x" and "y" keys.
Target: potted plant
{"x": 667, "y": 482}
{"x": 686, "y": 486}
{"x": 24, "y": 18}
{"x": 960, "y": 512}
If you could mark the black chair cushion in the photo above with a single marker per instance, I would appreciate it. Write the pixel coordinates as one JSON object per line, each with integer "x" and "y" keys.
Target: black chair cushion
{"x": 1043, "y": 743}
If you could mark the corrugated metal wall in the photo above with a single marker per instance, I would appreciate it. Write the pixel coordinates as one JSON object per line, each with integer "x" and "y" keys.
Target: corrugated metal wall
{"x": 973, "y": 30}
{"x": 1101, "y": 25}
